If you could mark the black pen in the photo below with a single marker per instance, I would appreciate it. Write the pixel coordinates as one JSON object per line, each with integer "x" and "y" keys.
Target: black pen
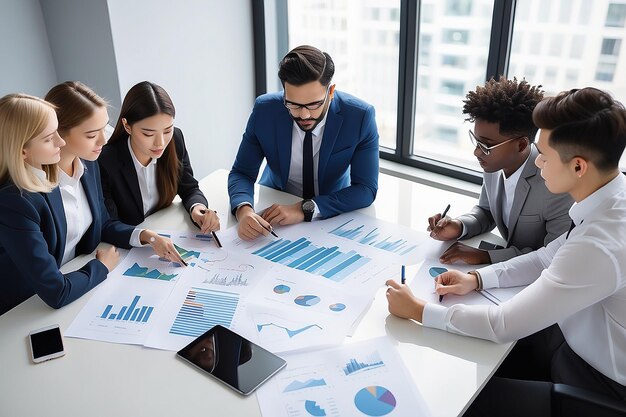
{"x": 217, "y": 241}
{"x": 445, "y": 211}
{"x": 271, "y": 230}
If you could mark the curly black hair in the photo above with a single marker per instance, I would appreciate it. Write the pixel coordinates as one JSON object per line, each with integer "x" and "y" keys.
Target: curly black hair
{"x": 508, "y": 102}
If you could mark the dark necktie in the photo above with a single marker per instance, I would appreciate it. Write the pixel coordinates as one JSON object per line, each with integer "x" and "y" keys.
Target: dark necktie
{"x": 308, "y": 187}
{"x": 571, "y": 227}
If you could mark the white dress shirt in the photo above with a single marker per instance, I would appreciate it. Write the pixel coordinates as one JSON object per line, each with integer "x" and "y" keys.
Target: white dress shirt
{"x": 294, "y": 182}
{"x": 510, "y": 184}
{"x": 146, "y": 176}
{"x": 581, "y": 285}
{"x": 78, "y": 215}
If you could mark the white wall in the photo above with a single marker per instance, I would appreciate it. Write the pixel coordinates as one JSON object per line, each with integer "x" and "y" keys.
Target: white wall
{"x": 201, "y": 52}
{"x": 27, "y": 65}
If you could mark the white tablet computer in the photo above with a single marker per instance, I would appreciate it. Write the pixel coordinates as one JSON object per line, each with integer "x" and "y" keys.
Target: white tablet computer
{"x": 232, "y": 359}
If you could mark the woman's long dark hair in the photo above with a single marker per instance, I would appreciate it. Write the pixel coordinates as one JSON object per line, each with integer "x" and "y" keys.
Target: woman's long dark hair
{"x": 145, "y": 100}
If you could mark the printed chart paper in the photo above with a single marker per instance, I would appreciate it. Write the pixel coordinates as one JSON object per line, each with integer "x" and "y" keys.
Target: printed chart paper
{"x": 423, "y": 285}
{"x": 359, "y": 379}
{"x": 398, "y": 243}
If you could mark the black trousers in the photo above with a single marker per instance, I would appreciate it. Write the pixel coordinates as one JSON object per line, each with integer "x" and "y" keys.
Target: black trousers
{"x": 523, "y": 383}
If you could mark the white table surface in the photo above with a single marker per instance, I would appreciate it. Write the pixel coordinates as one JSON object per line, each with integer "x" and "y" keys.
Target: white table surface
{"x": 106, "y": 379}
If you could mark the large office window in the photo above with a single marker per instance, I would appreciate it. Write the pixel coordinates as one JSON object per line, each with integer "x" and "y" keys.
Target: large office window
{"x": 415, "y": 60}
{"x": 362, "y": 37}
{"x": 457, "y": 34}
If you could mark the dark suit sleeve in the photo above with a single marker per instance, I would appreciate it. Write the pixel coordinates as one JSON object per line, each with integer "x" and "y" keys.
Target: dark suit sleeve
{"x": 22, "y": 238}
{"x": 113, "y": 231}
{"x": 188, "y": 188}
{"x": 363, "y": 173}
{"x": 105, "y": 181}
{"x": 246, "y": 166}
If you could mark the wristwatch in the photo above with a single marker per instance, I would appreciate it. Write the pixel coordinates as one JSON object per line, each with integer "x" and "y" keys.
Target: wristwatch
{"x": 308, "y": 208}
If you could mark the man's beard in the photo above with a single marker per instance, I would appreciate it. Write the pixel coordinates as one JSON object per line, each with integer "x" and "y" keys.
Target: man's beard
{"x": 316, "y": 119}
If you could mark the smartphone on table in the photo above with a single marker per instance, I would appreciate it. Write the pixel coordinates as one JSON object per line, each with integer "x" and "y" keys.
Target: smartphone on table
{"x": 46, "y": 343}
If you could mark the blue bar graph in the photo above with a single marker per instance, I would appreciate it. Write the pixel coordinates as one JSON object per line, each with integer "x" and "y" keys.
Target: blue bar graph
{"x": 203, "y": 309}
{"x": 129, "y": 313}
{"x": 373, "y": 238}
{"x": 354, "y": 365}
{"x": 301, "y": 254}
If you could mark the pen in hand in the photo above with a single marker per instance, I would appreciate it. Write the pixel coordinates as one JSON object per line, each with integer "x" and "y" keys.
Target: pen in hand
{"x": 269, "y": 229}
{"x": 403, "y": 277}
{"x": 217, "y": 241}
{"x": 443, "y": 215}
{"x": 440, "y": 295}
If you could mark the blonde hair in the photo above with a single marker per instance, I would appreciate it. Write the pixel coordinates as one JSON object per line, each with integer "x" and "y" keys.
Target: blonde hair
{"x": 22, "y": 118}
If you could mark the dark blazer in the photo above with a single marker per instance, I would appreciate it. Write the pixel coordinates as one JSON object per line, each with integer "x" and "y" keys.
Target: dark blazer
{"x": 537, "y": 216}
{"x": 348, "y": 157}
{"x": 32, "y": 242}
{"x": 121, "y": 186}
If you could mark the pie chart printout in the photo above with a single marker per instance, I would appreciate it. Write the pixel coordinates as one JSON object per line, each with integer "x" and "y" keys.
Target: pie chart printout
{"x": 314, "y": 409}
{"x": 435, "y": 271}
{"x": 337, "y": 307}
{"x": 306, "y": 300}
{"x": 375, "y": 401}
{"x": 281, "y": 289}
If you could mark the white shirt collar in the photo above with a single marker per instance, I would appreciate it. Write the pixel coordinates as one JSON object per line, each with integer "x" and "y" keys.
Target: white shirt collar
{"x": 79, "y": 170}
{"x": 579, "y": 211}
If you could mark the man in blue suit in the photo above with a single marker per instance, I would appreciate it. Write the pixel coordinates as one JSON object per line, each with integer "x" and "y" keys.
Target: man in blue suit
{"x": 319, "y": 143}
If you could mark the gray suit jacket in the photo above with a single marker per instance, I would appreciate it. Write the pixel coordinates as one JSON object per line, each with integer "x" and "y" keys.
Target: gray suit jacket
{"x": 537, "y": 216}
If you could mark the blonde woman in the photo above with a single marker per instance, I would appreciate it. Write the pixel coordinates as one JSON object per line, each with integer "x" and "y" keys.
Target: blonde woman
{"x": 32, "y": 236}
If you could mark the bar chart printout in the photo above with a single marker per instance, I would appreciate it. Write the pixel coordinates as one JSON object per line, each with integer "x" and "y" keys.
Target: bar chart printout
{"x": 131, "y": 312}
{"x": 353, "y": 365}
{"x": 301, "y": 254}
{"x": 203, "y": 309}
{"x": 373, "y": 237}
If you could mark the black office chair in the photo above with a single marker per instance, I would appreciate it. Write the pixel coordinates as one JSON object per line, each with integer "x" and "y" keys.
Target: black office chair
{"x": 568, "y": 400}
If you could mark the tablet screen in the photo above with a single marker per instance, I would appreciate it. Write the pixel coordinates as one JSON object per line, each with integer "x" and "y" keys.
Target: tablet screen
{"x": 232, "y": 359}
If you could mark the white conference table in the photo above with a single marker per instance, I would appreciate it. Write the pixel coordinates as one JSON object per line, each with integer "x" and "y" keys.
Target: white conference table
{"x": 106, "y": 379}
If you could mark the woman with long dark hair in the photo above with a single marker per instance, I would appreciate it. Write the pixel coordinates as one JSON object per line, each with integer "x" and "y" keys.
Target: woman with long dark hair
{"x": 146, "y": 164}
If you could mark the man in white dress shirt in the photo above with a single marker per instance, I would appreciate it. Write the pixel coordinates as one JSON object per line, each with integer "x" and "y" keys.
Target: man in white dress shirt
{"x": 577, "y": 281}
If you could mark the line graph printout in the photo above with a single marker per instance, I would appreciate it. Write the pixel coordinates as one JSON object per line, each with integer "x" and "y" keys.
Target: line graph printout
{"x": 386, "y": 238}
{"x": 314, "y": 383}
{"x": 279, "y": 332}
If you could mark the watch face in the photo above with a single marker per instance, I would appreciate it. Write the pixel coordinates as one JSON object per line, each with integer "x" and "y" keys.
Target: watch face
{"x": 308, "y": 205}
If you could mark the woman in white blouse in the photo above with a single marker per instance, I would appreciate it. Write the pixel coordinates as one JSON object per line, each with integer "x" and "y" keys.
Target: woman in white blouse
{"x": 146, "y": 163}
{"x": 83, "y": 116}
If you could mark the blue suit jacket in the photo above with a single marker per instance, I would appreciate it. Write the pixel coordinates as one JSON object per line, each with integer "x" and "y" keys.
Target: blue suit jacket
{"x": 32, "y": 242}
{"x": 348, "y": 157}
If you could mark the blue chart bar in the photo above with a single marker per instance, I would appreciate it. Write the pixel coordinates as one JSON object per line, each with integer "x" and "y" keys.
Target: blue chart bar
{"x": 354, "y": 366}
{"x": 303, "y": 255}
{"x": 203, "y": 309}
{"x": 372, "y": 238}
{"x": 129, "y": 313}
